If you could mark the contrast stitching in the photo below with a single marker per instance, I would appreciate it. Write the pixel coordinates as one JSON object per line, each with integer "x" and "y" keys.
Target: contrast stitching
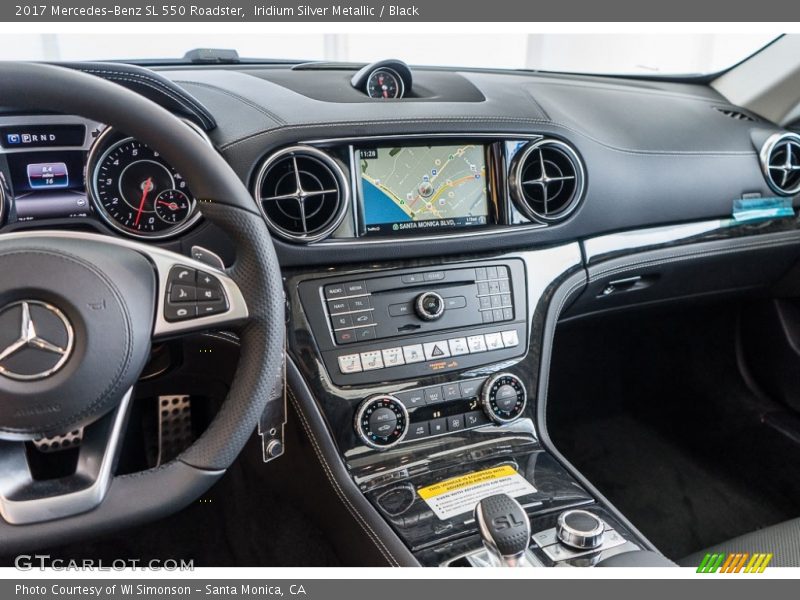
{"x": 175, "y": 94}
{"x": 236, "y": 96}
{"x": 365, "y": 526}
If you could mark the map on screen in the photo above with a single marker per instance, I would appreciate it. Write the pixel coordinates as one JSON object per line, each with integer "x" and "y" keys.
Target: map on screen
{"x": 407, "y": 188}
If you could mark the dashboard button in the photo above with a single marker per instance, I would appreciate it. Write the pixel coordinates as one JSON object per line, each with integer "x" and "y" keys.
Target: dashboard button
{"x": 455, "y": 422}
{"x": 497, "y": 314}
{"x": 350, "y": 363}
{"x": 508, "y": 314}
{"x": 342, "y": 321}
{"x": 505, "y": 286}
{"x": 491, "y": 272}
{"x": 364, "y": 334}
{"x": 357, "y": 304}
{"x": 345, "y": 336}
{"x": 336, "y": 307}
{"x": 475, "y": 418}
{"x": 452, "y": 391}
{"x": 434, "y": 276}
{"x": 383, "y": 421}
{"x": 494, "y": 341}
{"x": 412, "y": 398}
{"x": 363, "y": 318}
{"x": 418, "y": 430}
{"x": 436, "y": 350}
{"x": 433, "y": 395}
{"x": 437, "y": 426}
{"x": 455, "y": 302}
{"x": 414, "y": 354}
{"x": 510, "y": 338}
{"x": 355, "y": 288}
{"x": 334, "y": 291}
{"x": 476, "y": 343}
{"x": 471, "y": 389}
{"x": 480, "y": 273}
{"x": 413, "y": 278}
{"x": 393, "y": 357}
{"x": 458, "y": 346}
{"x": 399, "y": 310}
{"x": 372, "y": 360}
{"x": 487, "y": 317}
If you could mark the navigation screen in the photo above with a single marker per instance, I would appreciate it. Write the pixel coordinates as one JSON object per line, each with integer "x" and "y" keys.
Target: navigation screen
{"x": 408, "y": 189}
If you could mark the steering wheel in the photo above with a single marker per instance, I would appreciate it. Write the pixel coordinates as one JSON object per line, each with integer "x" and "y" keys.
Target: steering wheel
{"x": 78, "y": 314}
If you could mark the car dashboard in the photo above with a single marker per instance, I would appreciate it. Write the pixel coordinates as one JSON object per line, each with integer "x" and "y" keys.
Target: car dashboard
{"x": 430, "y": 242}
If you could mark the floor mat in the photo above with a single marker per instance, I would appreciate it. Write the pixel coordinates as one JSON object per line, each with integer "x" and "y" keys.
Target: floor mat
{"x": 653, "y": 411}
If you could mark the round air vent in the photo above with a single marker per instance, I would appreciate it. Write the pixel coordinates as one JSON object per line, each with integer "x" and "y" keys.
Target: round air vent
{"x": 780, "y": 161}
{"x": 303, "y": 194}
{"x": 547, "y": 179}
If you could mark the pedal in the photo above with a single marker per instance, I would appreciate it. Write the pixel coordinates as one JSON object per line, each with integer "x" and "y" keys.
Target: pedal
{"x": 175, "y": 432}
{"x": 57, "y": 443}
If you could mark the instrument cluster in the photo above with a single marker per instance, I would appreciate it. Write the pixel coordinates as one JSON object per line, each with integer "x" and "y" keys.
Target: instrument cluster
{"x": 56, "y": 169}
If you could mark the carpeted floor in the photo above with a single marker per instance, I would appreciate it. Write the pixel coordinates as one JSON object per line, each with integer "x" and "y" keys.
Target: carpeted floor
{"x": 653, "y": 410}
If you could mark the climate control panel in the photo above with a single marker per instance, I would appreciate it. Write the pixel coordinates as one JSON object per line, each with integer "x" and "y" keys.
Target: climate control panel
{"x": 385, "y": 420}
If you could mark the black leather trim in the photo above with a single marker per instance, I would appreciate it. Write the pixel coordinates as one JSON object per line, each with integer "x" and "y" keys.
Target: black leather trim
{"x": 151, "y": 85}
{"x": 131, "y": 500}
{"x": 386, "y": 542}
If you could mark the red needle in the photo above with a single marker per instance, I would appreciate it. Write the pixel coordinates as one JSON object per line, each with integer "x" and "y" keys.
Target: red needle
{"x": 146, "y": 189}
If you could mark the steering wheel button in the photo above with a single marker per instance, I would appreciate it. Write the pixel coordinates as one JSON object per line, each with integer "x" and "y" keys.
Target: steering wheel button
{"x": 180, "y": 312}
{"x": 211, "y": 308}
{"x": 182, "y": 275}
{"x": 208, "y": 294}
{"x": 182, "y": 293}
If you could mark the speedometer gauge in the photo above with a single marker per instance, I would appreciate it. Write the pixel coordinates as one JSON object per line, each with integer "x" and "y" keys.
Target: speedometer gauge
{"x": 139, "y": 193}
{"x": 384, "y": 83}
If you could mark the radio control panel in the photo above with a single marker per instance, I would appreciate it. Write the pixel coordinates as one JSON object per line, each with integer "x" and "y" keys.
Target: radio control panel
{"x": 394, "y": 325}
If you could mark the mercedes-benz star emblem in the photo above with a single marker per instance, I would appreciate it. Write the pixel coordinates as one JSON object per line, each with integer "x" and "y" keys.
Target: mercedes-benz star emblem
{"x": 36, "y": 340}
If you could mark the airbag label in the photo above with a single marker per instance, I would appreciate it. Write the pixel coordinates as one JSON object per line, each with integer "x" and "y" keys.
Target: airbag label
{"x": 459, "y": 495}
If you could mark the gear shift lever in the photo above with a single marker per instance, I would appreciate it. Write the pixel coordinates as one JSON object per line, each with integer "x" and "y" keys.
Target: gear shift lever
{"x": 504, "y": 528}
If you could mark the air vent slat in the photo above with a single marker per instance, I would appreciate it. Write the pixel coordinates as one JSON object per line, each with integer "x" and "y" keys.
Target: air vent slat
{"x": 780, "y": 162}
{"x": 547, "y": 179}
{"x": 734, "y": 114}
{"x": 303, "y": 194}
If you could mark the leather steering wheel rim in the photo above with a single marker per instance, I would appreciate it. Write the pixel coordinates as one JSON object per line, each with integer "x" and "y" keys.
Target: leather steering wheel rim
{"x": 225, "y": 201}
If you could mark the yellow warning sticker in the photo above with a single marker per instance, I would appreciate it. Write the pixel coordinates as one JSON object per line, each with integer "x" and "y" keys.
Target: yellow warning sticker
{"x": 459, "y": 495}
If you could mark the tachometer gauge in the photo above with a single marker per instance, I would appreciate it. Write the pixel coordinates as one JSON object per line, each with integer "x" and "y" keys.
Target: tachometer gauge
{"x": 173, "y": 206}
{"x": 137, "y": 192}
{"x": 384, "y": 83}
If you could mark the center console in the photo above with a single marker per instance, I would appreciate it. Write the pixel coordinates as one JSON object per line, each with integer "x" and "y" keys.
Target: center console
{"x": 427, "y": 376}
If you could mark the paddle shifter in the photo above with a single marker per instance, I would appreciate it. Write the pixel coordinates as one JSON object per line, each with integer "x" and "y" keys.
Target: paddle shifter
{"x": 505, "y": 529}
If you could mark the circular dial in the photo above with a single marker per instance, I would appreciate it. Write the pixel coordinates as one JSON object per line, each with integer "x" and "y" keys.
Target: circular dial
{"x": 381, "y": 422}
{"x": 384, "y": 83}
{"x": 580, "y": 529}
{"x": 127, "y": 182}
{"x": 503, "y": 397}
{"x": 173, "y": 206}
{"x": 429, "y": 306}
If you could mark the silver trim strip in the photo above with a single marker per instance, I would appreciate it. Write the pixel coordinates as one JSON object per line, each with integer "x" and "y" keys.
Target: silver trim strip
{"x": 597, "y": 247}
{"x": 36, "y": 510}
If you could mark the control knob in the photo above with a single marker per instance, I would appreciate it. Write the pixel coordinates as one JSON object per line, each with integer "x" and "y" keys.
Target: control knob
{"x": 503, "y": 397}
{"x": 580, "y": 529}
{"x": 429, "y": 306}
{"x": 381, "y": 421}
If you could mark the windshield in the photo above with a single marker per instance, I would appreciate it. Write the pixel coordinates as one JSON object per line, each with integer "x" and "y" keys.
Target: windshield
{"x": 623, "y": 54}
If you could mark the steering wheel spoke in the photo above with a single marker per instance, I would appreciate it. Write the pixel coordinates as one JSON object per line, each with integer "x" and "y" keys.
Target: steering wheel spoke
{"x": 26, "y": 499}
